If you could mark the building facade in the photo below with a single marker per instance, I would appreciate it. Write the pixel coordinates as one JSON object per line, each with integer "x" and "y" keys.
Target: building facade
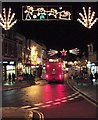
{"x": 20, "y": 55}
{"x": 33, "y": 56}
{"x": 11, "y": 52}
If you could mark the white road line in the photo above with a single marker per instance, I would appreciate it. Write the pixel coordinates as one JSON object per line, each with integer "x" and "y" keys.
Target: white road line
{"x": 57, "y": 100}
{"x": 38, "y": 114}
{"x": 64, "y": 101}
{"x": 44, "y": 106}
{"x": 25, "y": 106}
{"x": 49, "y": 102}
{"x": 71, "y": 99}
{"x": 56, "y": 103}
{"x": 38, "y": 104}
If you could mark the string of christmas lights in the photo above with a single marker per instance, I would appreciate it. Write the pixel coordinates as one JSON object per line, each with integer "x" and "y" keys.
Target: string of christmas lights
{"x": 7, "y": 21}
{"x": 41, "y": 12}
{"x": 87, "y": 20}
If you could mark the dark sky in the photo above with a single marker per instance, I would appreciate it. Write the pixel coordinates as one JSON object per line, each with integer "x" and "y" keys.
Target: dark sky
{"x": 57, "y": 34}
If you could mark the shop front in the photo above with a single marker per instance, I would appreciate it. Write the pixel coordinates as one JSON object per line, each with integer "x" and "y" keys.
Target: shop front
{"x": 9, "y": 67}
{"x": 92, "y": 67}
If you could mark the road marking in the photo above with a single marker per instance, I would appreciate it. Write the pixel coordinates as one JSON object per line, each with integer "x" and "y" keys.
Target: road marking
{"x": 64, "y": 98}
{"x": 49, "y": 102}
{"x": 44, "y": 106}
{"x": 57, "y": 100}
{"x": 38, "y": 104}
{"x": 71, "y": 99}
{"x": 77, "y": 96}
{"x": 56, "y": 103}
{"x": 33, "y": 108}
{"x": 64, "y": 101}
{"x": 42, "y": 115}
{"x": 38, "y": 114}
{"x": 25, "y": 106}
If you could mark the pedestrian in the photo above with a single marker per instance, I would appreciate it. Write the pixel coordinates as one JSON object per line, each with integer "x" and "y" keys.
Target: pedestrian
{"x": 34, "y": 74}
{"x": 13, "y": 77}
{"x": 39, "y": 71}
{"x": 9, "y": 78}
{"x": 96, "y": 76}
{"x": 91, "y": 78}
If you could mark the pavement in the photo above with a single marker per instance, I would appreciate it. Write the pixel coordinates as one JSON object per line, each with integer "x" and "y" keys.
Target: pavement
{"x": 87, "y": 90}
{"x": 15, "y": 113}
{"x": 17, "y": 84}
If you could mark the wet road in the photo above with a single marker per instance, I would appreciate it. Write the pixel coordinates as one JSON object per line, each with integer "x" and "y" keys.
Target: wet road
{"x": 53, "y": 100}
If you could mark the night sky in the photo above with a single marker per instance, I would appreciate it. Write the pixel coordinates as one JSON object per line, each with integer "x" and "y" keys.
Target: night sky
{"x": 57, "y": 34}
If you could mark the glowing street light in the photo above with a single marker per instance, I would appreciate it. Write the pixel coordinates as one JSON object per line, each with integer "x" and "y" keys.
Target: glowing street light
{"x": 87, "y": 20}
{"x": 7, "y": 21}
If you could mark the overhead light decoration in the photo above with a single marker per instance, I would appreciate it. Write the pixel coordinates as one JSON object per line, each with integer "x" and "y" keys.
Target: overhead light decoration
{"x": 44, "y": 13}
{"x": 74, "y": 51}
{"x": 52, "y": 52}
{"x": 63, "y": 52}
{"x": 87, "y": 20}
{"x": 41, "y": 13}
{"x": 7, "y": 21}
{"x": 29, "y": 12}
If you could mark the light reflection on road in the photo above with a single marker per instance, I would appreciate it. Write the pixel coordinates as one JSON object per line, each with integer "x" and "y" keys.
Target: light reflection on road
{"x": 52, "y": 92}
{"x": 45, "y": 93}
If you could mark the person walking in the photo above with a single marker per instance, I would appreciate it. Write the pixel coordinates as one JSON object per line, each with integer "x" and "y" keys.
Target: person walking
{"x": 9, "y": 78}
{"x": 91, "y": 78}
{"x": 13, "y": 77}
{"x": 96, "y": 76}
{"x": 39, "y": 71}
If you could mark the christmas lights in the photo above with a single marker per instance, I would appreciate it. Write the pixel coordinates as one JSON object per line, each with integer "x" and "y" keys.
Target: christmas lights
{"x": 34, "y": 13}
{"x": 87, "y": 20}
{"x": 52, "y": 52}
{"x": 6, "y": 22}
{"x": 74, "y": 51}
{"x": 28, "y": 12}
{"x": 63, "y": 52}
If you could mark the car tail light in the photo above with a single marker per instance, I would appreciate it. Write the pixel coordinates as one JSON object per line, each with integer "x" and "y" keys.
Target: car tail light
{"x": 60, "y": 76}
{"x": 47, "y": 76}
{"x": 47, "y": 66}
{"x": 59, "y": 65}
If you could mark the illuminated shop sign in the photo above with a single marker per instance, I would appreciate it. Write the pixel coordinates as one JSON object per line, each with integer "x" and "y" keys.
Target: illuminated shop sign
{"x": 9, "y": 62}
{"x": 30, "y": 13}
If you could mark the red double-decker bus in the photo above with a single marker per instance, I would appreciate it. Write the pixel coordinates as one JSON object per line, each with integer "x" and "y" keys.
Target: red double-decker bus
{"x": 54, "y": 70}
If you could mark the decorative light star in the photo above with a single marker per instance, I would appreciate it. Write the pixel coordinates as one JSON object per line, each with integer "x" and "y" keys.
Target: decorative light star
{"x": 87, "y": 20}
{"x": 63, "y": 52}
{"x": 6, "y": 22}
